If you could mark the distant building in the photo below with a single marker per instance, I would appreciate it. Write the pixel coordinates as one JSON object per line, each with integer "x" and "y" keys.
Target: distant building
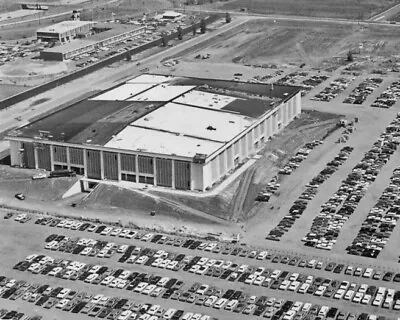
{"x": 63, "y": 31}
{"x": 169, "y": 15}
{"x": 106, "y": 34}
{"x": 174, "y": 132}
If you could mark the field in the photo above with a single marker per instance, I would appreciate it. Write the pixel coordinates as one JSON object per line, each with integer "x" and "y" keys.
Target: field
{"x": 351, "y": 9}
{"x": 295, "y": 43}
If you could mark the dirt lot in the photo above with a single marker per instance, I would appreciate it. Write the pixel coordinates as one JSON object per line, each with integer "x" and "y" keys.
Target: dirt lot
{"x": 298, "y": 42}
{"x": 352, "y": 9}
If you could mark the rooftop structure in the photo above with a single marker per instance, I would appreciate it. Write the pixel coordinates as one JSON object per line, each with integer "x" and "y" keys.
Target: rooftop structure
{"x": 184, "y": 133}
{"x": 63, "y": 31}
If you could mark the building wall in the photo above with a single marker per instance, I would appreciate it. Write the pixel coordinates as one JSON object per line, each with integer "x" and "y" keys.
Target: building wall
{"x": 198, "y": 176}
{"x": 51, "y": 56}
{"x": 15, "y": 153}
{"x": 167, "y": 171}
{"x": 60, "y": 56}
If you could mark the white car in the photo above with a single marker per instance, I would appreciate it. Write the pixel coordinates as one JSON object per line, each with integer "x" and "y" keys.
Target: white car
{"x": 220, "y": 303}
{"x": 115, "y": 232}
{"x": 231, "y": 305}
{"x": 125, "y": 315}
{"x": 169, "y": 313}
{"x": 149, "y": 289}
{"x": 62, "y": 303}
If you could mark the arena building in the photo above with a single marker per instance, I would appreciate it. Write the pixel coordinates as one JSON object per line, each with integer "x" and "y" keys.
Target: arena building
{"x": 174, "y": 132}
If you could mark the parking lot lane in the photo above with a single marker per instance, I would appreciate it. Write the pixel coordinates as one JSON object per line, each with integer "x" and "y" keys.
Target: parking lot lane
{"x": 353, "y": 225}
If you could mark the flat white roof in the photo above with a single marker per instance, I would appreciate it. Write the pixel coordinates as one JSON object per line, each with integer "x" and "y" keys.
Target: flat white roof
{"x": 147, "y": 140}
{"x": 204, "y": 99}
{"x": 64, "y": 26}
{"x": 150, "y": 78}
{"x": 123, "y": 92}
{"x": 161, "y": 92}
{"x": 196, "y": 122}
{"x": 171, "y": 14}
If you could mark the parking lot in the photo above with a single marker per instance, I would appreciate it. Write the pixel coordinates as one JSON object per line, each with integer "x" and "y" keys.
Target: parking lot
{"x": 89, "y": 269}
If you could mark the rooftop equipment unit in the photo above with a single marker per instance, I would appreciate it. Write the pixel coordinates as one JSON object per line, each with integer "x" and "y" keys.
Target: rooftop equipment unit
{"x": 199, "y": 158}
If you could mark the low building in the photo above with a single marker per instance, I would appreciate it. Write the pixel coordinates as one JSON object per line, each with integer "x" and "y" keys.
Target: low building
{"x": 173, "y": 132}
{"x": 110, "y": 34}
{"x": 63, "y": 31}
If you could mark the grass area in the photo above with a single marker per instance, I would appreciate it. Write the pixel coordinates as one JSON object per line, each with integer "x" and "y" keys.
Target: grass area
{"x": 109, "y": 196}
{"x": 347, "y": 9}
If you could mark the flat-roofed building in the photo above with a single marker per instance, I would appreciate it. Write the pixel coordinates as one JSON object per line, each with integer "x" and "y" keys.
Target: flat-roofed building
{"x": 157, "y": 130}
{"x": 115, "y": 33}
{"x": 64, "y": 31}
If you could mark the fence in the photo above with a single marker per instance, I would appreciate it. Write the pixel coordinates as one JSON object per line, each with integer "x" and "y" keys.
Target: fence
{"x": 93, "y": 67}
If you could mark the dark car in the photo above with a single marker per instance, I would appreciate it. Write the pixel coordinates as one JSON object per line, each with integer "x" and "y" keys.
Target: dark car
{"x": 20, "y": 196}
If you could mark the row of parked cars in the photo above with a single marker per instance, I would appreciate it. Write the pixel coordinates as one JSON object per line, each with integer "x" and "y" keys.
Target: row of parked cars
{"x": 103, "y": 307}
{"x": 381, "y": 220}
{"x": 312, "y": 82}
{"x": 292, "y": 78}
{"x": 300, "y": 205}
{"x": 15, "y": 315}
{"x": 225, "y": 269}
{"x": 363, "y": 90}
{"x": 388, "y": 97}
{"x": 334, "y": 88}
{"x": 199, "y": 294}
{"x": 301, "y": 155}
{"x": 336, "y": 211}
{"x": 225, "y": 249}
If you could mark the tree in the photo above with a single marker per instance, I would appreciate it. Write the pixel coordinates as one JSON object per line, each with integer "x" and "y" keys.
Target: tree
{"x": 228, "y": 18}
{"x": 128, "y": 57}
{"x": 203, "y": 26}
{"x": 350, "y": 56}
{"x": 180, "y": 33}
{"x": 164, "y": 39}
{"x": 194, "y": 29}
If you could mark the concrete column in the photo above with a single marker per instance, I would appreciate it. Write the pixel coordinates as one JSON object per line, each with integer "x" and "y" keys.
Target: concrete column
{"x": 119, "y": 166}
{"x": 298, "y": 104}
{"x": 137, "y": 168}
{"x": 35, "y": 153}
{"x": 101, "y": 165}
{"x": 222, "y": 163}
{"x": 269, "y": 126}
{"x": 155, "y": 171}
{"x": 68, "y": 158}
{"x": 243, "y": 147}
{"x": 85, "y": 161}
{"x": 52, "y": 157}
{"x": 250, "y": 142}
{"x": 230, "y": 158}
{"x": 173, "y": 175}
